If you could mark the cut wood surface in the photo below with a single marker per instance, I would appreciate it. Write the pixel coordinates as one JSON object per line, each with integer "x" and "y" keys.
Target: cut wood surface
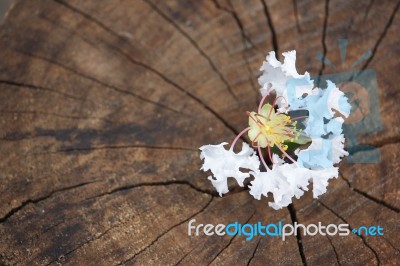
{"x": 103, "y": 107}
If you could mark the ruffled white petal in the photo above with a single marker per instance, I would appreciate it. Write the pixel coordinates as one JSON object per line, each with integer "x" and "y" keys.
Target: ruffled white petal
{"x": 286, "y": 181}
{"x": 276, "y": 75}
{"x": 225, "y": 163}
{"x": 320, "y": 179}
{"x": 334, "y": 126}
{"x": 289, "y": 65}
{"x": 337, "y": 100}
{"x": 337, "y": 151}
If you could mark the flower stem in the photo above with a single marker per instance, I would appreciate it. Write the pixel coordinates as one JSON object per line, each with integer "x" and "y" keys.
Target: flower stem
{"x": 269, "y": 154}
{"x": 298, "y": 117}
{"x": 262, "y": 159}
{"x": 237, "y": 137}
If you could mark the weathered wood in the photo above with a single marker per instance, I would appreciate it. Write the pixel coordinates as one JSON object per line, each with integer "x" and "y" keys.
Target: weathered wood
{"x": 103, "y": 107}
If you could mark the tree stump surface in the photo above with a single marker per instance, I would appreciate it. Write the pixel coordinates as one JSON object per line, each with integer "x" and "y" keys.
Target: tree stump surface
{"x": 105, "y": 103}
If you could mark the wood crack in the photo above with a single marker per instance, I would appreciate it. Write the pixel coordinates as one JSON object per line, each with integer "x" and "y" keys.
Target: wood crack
{"x": 187, "y": 254}
{"x": 39, "y": 199}
{"x": 116, "y": 147}
{"x": 165, "y": 78}
{"x": 81, "y": 245}
{"x": 109, "y": 86}
{"x": 334, "y": 250}
{"x": 271, "y": 27}
{"x": 230, "y": 241}
{"x": 378, "y": 144}
{"x": 232, "y": 12}
{"x": 88, "y": 17}
{"x": 296, "y": 16}
{"x": 35, "y": 87}
{"x": 167, "y": 231}
{"x": 293, "y": 217}
{"x": 360, "y": 236}
{"x": 323, "y": 40}
{"x": 195, "y": 45}
{"x": 245, "y": 39}
{"x": 158, "y": 237}
{"x": 254, "y": 252}
{"x": 382, "y": 36}
{"x": 153, "y": 184}
{"x": 369, "y": 197}
{"x": 56, "y": 115}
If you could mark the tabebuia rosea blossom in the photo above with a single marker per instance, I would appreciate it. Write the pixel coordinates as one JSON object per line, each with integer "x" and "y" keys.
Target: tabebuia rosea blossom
{"x": 302, "y": 148}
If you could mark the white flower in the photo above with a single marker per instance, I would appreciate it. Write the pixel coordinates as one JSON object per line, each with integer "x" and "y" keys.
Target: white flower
{"x": 320, "y": 179}
{"x": 316, "y": 155}
{"x": 337, "y": 100}
{"x": 334, "y": 126}
{"x": 225, "y": 163}
{"x": 272, "y": 127}
{"x": 276, "y": 75}
{"x": 322, "y": 153}
{"x": 321, "y": 105}
{"x": 337, "y": 151}
{"x": 286, "y": 181}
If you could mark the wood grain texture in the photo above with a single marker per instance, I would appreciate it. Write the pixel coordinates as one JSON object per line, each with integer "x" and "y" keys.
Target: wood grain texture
{"x": 104, "y": 104}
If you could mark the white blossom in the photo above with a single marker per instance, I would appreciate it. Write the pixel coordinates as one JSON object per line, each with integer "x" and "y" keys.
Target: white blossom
{"x": 323, "y": 128}
{"x": 286, "y": 181}
{"x": 276, "y": 75}
{"x": 320, "y": 179}
{"x": 337, "y": 151}
{"x": 225, "y": 163}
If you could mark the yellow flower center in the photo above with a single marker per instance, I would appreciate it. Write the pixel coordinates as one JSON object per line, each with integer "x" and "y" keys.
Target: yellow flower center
{"x": 268, "y": 128}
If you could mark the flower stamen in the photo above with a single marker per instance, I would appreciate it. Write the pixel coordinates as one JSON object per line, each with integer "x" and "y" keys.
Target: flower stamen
{"x": 285, "y": 153}
{"x": 269, "y": 128}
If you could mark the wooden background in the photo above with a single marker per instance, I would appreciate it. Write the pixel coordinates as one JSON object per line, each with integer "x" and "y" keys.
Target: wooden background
{"x": 104, "y": 104}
